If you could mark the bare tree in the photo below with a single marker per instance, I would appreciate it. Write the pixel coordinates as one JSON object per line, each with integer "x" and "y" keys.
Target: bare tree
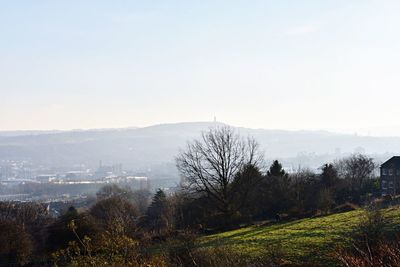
{"x": 357, "y": 170}
{"x": 116, "y": 211}
{"x": 209, "y": 165}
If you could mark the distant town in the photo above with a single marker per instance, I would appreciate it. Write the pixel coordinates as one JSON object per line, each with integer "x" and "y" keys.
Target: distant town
{"x": 24, "y": 182}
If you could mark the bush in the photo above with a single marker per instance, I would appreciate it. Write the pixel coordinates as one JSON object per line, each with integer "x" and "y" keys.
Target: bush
{"x": 385, "y": 253}
{"x": 180, "y": 249}
{"x": 372, "y": 227}
{"x": 370, "y": 244}
{"x": 345, "y": 207}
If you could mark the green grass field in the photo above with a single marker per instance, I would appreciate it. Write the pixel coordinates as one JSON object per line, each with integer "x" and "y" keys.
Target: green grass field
{"x": 309, "y": 241}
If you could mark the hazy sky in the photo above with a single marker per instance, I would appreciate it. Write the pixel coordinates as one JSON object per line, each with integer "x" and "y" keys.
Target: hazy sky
{"x": 265, "y": 64}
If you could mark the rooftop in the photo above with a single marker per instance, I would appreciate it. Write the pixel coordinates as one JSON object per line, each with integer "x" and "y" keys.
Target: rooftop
{"x": 392, "y": 161}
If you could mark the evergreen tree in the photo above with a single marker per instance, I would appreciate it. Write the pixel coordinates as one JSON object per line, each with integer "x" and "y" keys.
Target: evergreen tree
{"x": 329, "y": 176}
{"x": 276, "y": 170}
{"x": 277, "y": 190}
{"x": 158, "y": 214}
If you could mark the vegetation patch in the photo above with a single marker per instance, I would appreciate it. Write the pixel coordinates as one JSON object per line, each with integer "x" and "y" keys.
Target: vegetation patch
{"x": 303, "y": 241}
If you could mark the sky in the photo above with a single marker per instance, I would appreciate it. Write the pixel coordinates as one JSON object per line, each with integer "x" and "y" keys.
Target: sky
{"x": 287, "y": 64}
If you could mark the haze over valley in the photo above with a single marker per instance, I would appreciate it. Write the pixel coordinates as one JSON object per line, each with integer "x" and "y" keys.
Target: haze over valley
{"x": 152, "y": 150}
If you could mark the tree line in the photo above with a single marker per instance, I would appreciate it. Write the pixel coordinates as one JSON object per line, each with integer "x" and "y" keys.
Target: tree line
{"x": 225, "y": 183}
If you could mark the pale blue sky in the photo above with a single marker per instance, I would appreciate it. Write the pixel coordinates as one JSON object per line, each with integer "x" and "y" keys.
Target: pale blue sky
{"x": 265, "y": 64}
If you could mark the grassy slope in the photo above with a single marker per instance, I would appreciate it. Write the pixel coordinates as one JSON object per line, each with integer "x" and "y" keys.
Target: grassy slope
{"x": 306, "y": 240}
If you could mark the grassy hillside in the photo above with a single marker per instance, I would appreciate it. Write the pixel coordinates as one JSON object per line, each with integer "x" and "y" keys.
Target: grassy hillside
{"x": 306, "y": 240}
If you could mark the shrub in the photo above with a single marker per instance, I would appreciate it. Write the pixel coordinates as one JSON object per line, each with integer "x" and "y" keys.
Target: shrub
{"x": 180, "y": 250}
{"x": 370, "y": 244}
{"x": 385, "y": 253}
{"x": 372, "y": 226}
{"x": 345, "y": 207}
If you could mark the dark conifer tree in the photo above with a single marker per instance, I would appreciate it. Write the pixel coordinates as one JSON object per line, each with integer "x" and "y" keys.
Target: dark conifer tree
{"x": 276, "y": 170}
{"x": 277, "y": 190}
{"x": 329, "y": 176}
{"x": 158, "y": 215}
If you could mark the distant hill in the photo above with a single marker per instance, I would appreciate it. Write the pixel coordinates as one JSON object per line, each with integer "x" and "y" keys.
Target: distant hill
{"x": 22, "y": 133}
{"x": 149, "y": 146}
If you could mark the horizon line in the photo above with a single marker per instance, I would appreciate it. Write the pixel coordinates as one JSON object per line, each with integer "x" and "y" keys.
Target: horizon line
{"x": 49, "y": 131}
